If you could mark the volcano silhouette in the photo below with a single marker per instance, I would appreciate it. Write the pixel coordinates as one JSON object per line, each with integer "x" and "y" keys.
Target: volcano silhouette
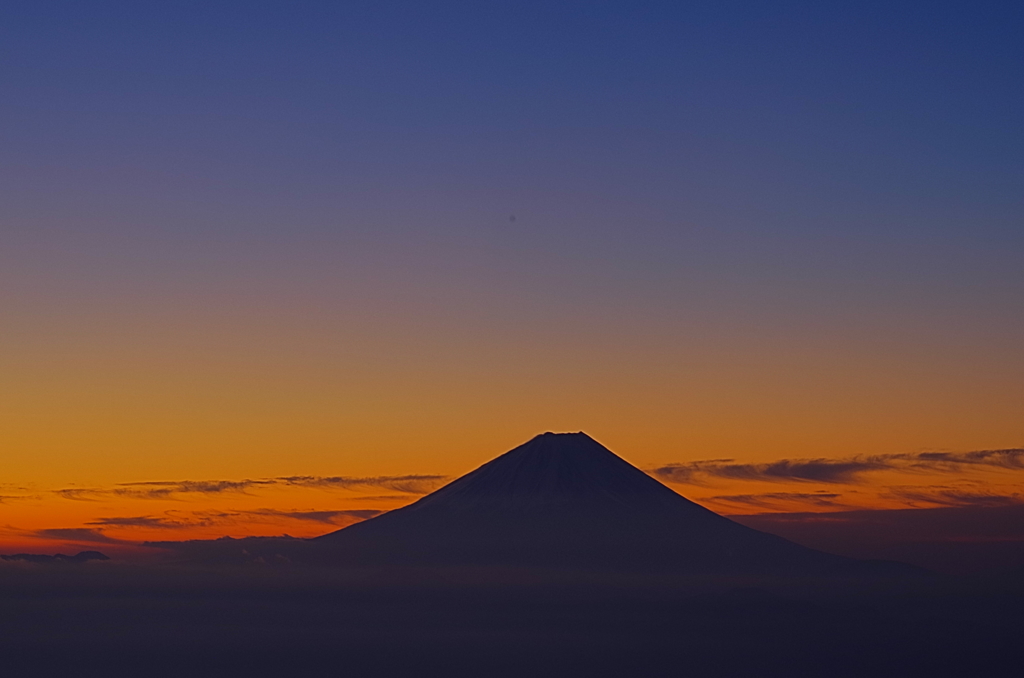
{"x": 563, "y": 500}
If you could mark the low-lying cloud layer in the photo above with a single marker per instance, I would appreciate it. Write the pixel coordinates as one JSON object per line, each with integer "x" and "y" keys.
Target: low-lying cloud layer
{"x": 96, "y": 530}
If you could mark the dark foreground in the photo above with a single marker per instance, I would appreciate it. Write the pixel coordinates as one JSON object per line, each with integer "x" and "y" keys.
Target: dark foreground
{"x": 102, "y": 619}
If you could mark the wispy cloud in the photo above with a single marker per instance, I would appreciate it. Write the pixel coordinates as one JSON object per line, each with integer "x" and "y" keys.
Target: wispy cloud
{"x": 328, "y": 517}
{"x": 953, "y": 496}
{"x": 164, "y": 489}
{"x": 173, "y": 489}
{"x": 954, "y": 461}
{"x": 775, "y": 499}
{"x": 813, "y": 470}
{"x": 845, "y": 471}
{"x": 81, "y": 494}
{"x": 177, "y": 520}
{"x": 161, "y": 489}
{"x": 77, "y": 534}
{"x": 409, "y": 484}
{"x": 162, "y": 522}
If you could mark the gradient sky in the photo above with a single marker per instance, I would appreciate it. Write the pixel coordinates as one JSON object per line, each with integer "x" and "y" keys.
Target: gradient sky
{"x": 244, "y": 240}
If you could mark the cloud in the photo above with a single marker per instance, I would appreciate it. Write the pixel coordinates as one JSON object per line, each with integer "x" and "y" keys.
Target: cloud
{"x": 163, "y": 522}
{"x": 80, "y": 494}
{"x": 329, "y": 517}
{"x": 409, "y": 484}
{"x": 77, "y": 534}
{"x": 813, "y": 470}
{"x": 178, "y": 520}
{"x": 163, "y": 489}
{"x": 846, "y": 471}
{"x": 954, "y": 496}
{"x": 773, "y": 499}
{"x": 1009, "y": 459}
{"x": 172, "y": 489}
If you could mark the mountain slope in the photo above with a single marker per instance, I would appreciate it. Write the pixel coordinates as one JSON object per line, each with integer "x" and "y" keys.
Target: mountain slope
{"x": 565, "y": 501}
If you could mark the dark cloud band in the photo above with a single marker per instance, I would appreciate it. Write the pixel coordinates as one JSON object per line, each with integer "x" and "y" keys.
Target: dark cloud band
{"x": 170, "y": 489}
{"x": 173, "y": 520}
{"x": 849, "y": 470}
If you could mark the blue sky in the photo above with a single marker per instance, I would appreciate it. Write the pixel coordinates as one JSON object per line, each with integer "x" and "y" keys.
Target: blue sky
{"x": 742, "y": 188}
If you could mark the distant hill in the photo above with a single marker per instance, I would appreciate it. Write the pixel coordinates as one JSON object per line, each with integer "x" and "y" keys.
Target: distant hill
{"x": 77, "y": 559}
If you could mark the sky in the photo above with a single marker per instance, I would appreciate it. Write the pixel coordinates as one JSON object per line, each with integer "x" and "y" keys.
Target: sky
{"x": 246, "y": 242}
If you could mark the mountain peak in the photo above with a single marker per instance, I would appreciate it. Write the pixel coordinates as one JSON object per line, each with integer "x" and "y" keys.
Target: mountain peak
{"x": 564, "y": 500}
{"x": 553, "y": 469}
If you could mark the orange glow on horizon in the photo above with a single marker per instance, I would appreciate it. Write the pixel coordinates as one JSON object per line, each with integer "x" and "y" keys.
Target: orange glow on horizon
{"x": 116, "y": 519}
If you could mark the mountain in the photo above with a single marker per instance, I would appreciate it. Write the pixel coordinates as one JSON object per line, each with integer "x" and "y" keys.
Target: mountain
{"x": 563, "y": 500}
{"x": 77, "y": 559}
